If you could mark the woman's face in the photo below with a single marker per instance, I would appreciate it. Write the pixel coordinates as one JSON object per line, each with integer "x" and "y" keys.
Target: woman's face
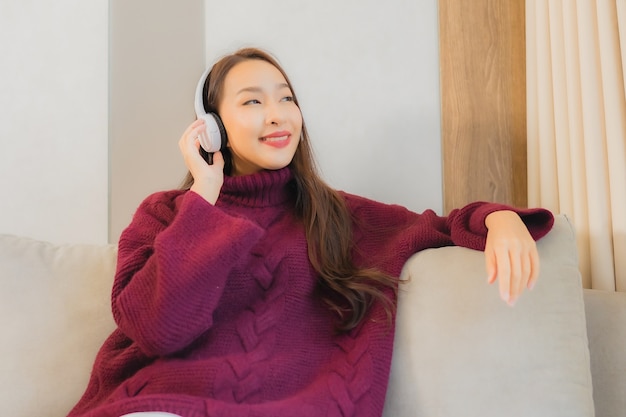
{"x": 262, "y": 122}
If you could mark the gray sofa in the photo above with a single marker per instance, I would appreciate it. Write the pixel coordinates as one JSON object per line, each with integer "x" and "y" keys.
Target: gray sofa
{"x": 459, "y": 350}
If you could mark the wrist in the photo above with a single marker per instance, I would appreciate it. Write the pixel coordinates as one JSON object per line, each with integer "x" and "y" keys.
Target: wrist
{"x": 206, "y": 191}
{"x": 495, "y": 216}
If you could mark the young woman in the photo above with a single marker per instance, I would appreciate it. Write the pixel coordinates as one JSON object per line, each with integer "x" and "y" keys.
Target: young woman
{"x": 257, "y": 290}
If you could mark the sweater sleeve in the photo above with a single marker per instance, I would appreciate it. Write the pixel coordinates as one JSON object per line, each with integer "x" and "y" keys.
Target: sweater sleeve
{"x": 387, "y": 235}
{"x": 173, "y": 262}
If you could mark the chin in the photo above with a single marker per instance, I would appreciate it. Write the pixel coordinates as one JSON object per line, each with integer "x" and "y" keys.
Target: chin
{"x": 277, "y": 162}
{"x": 276, "y": 167}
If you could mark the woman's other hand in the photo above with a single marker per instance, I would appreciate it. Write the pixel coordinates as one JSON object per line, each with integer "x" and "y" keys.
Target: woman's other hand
{"x": 511, "y": 255}
{"x": 207, "y": 179}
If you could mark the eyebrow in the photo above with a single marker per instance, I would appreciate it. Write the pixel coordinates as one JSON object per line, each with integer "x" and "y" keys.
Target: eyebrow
{"x": 259, "y": 89}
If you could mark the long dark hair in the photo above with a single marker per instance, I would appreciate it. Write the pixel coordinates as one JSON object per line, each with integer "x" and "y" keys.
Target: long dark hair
{"x": 348, "y": 290}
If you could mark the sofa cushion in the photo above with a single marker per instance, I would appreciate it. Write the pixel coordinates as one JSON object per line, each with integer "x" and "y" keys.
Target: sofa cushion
{"x": 461, "y": 351}
{"x": 55, "y": 309}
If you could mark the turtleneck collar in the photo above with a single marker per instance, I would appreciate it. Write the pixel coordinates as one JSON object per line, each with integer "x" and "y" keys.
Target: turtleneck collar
{"x": 261, "y": 189}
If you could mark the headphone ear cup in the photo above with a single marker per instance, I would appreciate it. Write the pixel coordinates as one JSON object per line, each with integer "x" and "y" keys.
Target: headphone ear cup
{"x": 222, "y": 129}
{"x": 214, "y": 138}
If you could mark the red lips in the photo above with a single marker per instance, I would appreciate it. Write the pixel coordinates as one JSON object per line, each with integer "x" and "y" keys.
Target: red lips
{"x": 278, "y": 139}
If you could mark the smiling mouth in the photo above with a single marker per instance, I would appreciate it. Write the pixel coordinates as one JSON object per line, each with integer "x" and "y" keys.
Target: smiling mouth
{"x": 279, "y": 140}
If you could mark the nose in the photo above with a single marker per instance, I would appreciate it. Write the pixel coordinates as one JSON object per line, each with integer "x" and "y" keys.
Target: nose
{"x": 274, "y": 114}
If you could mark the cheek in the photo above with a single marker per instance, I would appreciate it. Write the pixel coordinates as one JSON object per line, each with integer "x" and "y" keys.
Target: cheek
{"x": 241, "y": 127}
{"x": 297, "y": 119}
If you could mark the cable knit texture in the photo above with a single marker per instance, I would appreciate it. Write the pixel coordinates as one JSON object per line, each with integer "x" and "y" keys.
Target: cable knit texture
{"x": 218, "y": 314}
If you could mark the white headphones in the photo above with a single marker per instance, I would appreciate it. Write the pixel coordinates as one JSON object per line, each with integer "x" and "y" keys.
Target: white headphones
{"x": 214, "y": 138}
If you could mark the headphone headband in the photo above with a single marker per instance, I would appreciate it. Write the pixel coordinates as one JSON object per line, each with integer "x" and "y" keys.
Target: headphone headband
{"x": 199, "y": 102}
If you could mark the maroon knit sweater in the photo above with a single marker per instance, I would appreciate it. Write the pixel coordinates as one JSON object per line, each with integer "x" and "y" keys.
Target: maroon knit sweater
{"x": 218, "y": 314}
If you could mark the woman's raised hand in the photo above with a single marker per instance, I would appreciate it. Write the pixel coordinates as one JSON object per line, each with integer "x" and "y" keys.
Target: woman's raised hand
{"x": 511, "y": 255}
{"x": 207, "y": 179}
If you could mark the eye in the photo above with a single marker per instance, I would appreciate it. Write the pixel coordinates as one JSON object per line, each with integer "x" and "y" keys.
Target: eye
{"x": 253, "y": 101}
{"x": 287, "y": 98}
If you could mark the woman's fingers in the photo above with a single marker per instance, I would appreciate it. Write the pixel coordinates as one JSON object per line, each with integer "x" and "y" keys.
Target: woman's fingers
{"x": 190, "y": 136}
{"x": 503, "y": 262}
{"x": 511, "y": 250}
{"x": 189, "y": 146}
{"x": 517, "y": 270}
{"x": 207, "y": 179}
{"x": 491, "y": 262}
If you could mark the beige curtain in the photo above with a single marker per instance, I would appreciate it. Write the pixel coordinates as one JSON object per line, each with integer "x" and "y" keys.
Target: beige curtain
{"x": 576, "y": 57}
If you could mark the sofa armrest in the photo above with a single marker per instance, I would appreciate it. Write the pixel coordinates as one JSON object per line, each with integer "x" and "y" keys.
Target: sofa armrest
{"x": 56, "y": 312}
{"x": 606, "y": 327}
{"x": 461, "y": 351}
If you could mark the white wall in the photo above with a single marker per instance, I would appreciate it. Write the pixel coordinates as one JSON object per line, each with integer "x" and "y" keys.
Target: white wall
{"x": 53, "y": 128}
{"x": 366, "y": 73}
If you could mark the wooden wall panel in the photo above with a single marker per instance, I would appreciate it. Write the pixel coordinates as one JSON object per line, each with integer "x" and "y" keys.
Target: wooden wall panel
{"x": 483, "y": 93}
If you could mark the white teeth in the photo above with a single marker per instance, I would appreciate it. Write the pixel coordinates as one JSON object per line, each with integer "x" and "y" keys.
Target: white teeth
{"x": 276, "y": 139}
